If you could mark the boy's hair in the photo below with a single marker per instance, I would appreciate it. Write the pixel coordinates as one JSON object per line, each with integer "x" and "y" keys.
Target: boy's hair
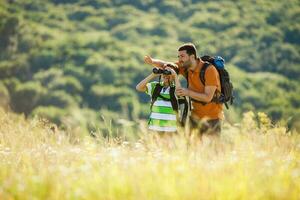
{"x": 189, "y": 48}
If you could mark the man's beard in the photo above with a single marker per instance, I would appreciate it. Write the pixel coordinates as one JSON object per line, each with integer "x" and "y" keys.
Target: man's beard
{"x": 187, "y": 64}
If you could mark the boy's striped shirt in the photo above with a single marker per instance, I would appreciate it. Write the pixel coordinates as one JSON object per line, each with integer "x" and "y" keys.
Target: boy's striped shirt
{"x": 162, "y": 117}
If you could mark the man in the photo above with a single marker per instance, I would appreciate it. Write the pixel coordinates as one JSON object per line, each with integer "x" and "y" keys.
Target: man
{"x": 206, "y": 115}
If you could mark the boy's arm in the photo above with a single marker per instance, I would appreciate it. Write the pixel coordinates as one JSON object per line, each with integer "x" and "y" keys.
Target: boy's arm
{"x": 142, "y": 86}
{"x": 177, "y": 82}
{"x": 154, "y": 62}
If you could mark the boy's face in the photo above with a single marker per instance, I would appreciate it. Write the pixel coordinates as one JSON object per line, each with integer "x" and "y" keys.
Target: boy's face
{"x": 167, "y": 78}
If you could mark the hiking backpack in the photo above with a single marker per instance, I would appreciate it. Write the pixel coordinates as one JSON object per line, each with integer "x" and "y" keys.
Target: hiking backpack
{"x": 226, "y": 94}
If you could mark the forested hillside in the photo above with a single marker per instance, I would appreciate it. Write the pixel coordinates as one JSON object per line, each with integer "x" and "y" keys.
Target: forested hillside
{"x": 78, "y": 61}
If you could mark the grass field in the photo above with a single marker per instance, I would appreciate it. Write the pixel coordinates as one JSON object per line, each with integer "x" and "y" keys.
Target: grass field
{"x": 252, "y": 160}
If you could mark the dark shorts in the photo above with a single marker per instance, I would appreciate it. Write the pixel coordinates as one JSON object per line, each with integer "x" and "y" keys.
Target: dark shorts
{"x": 211, "y": 127}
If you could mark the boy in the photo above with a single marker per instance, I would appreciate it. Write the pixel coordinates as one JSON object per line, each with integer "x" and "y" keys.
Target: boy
{"x": 163, "y": 116}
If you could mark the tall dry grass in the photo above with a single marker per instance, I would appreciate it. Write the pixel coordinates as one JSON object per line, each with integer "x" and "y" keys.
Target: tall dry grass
{"x": 253, "y": 160}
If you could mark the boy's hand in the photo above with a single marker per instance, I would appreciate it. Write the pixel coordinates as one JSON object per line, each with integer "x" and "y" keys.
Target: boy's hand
{"x": 174, "y": 74}
{"x": 154, "y": 75}
{"x": 148, "y": 60}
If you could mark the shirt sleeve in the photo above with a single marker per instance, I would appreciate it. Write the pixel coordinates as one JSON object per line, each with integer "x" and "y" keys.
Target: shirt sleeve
{"x": 211, "y": 77}
{"x": 150, "y": 87}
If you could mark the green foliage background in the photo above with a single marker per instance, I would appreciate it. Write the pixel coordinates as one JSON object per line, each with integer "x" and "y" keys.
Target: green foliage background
{"x": 78, "y": 61}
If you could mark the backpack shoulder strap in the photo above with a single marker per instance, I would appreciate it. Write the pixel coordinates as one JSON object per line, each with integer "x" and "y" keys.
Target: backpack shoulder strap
{"x": 173, "y": 98}
{"x": 202, "y": 72}
{"x": 156, "y": 93}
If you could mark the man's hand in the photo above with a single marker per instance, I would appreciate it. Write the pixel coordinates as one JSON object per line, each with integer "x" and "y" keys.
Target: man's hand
{"x": 148, "y": 60}
{"x": 182, "y": 91}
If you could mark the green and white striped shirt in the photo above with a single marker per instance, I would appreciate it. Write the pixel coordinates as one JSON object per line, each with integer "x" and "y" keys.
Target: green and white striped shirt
{"x": 162, "y": 116}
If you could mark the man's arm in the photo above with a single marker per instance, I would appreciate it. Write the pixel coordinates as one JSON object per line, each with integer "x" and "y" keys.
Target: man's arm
{"x": 142, "y": 86}
{"x": 155, "y": 62}
{"x": 204, "y": 97}
{"x": 211, "y": 80}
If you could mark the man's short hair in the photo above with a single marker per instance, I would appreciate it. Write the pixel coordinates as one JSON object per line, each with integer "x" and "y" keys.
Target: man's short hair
{"x": 189, "y": 48}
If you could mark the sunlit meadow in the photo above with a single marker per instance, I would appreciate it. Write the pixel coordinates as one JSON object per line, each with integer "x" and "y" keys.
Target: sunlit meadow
{"x": 251, "y": 160}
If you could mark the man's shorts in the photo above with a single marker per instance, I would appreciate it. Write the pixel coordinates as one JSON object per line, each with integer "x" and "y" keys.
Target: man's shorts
{"x": 211, "y": 127}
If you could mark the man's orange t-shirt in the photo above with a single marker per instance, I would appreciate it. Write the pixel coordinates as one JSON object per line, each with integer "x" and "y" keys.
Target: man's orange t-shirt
{"x": 210, "y": 110}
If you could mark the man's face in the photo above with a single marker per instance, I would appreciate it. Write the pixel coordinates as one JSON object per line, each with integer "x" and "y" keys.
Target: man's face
{"x": 184, "y": 59}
